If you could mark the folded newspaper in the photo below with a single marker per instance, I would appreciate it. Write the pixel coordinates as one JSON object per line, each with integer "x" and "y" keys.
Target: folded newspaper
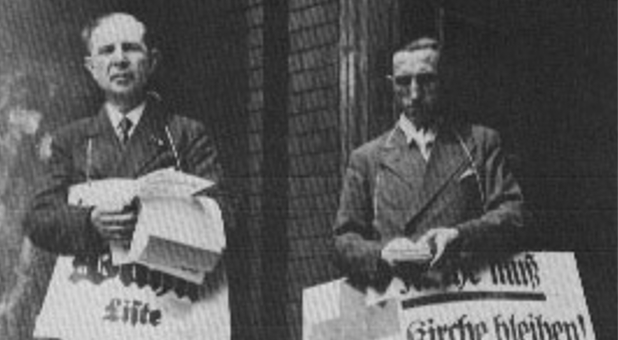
{"x": 176, "y": 232}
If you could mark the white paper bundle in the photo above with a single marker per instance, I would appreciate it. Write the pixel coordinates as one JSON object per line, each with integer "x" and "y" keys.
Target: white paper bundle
{"x": 181, "y": 236}
{"x": 110, "y": 193}
{"x": 176, "y": 233}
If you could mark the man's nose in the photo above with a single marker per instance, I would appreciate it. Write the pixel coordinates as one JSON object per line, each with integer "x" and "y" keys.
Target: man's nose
{"x": 119, "y": 56}
{"x": 414, "y": 90}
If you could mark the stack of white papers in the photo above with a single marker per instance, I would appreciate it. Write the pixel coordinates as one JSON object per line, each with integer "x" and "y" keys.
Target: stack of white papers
{"x": 176, "y": 232}
{"x": 181, "y": 236}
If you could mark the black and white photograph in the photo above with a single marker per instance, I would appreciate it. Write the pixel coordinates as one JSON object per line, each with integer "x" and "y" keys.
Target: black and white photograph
{"x": 308, "y": 170}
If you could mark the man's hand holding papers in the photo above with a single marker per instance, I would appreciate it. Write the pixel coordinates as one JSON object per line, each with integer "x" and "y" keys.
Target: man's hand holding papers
{"x": 157, "y": 220}
{"x": 115, "y": 225}
{"x": 115, "y": 206}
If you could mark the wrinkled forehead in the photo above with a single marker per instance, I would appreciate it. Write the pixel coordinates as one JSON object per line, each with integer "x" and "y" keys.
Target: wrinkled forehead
{"x": 120, "y": 28}
{"x": 414, "y": 62}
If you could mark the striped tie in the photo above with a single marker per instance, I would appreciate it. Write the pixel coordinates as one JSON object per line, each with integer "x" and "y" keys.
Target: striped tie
{"x": 125, "y": 126}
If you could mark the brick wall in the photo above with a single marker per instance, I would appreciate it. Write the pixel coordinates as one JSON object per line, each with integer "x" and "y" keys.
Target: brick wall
{"x": 254, "y": 15}
{"x": 312, "y": 144}
{"x": 313, "y": 147}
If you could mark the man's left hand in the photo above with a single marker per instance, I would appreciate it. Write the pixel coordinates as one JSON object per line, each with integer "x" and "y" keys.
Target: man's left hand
{"x": 439, "y": 239}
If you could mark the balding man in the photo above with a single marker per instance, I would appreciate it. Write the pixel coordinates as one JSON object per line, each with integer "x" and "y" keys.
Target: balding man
{"x": 133, "y": 134}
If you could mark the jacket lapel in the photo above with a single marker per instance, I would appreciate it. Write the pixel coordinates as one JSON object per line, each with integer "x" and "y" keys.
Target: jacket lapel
{"x": 105, "y": 149}
{"x": 393, "y": 156}
{"x": 145, "y": 143}
{"x": 447, "y": 159}
{"x": 396, "y": 158}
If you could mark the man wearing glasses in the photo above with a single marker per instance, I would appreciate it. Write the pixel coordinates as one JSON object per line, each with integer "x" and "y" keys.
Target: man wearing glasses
{"x": 428, "y": 190}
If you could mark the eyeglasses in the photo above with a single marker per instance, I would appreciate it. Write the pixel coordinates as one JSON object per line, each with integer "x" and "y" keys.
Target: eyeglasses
{"x": 422, "y": 79}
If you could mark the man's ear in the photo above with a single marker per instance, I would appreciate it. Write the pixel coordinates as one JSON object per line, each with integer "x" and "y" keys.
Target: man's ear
{"x": 154, "y": 57}
{"x": 88, "y": 64}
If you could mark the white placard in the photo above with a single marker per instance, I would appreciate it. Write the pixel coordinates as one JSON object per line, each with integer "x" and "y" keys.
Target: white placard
{"x": 93, "y": 303}
{"x": 530, "y": 296}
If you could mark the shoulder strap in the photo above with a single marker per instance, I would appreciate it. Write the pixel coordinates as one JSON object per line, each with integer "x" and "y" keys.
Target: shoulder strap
{"x": 472, "y": 162}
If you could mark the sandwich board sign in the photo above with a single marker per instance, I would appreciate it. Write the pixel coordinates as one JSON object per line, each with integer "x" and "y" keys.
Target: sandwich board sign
{"x": 528, "y": 296}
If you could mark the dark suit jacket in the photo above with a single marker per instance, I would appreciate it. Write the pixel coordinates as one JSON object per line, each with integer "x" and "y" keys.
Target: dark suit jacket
{"x": 62, "y": 229}
{"x": 389, "y": 191}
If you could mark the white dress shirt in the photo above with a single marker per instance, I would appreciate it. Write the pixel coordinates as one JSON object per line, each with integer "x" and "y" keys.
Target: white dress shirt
{"x": 116, "y": 117}
{"x": 424, "y": 139}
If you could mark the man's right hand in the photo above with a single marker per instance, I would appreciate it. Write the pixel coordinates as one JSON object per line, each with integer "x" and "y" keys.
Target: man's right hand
{"x": 114, "y": 225}
{"x": 402, "y": 249}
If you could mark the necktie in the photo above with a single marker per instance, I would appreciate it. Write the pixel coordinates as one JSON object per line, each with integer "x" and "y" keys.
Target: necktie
{"x": 125, "y": 126}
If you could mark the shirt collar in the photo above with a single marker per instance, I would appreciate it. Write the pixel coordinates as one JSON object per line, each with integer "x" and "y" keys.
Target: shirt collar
{"x": 421, "y": 137}
{"x": 116, "y": 116}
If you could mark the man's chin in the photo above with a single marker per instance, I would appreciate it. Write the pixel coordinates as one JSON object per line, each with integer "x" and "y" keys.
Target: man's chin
{"x": 422, "y": 118}
{"x": 124, "y": 93}
{"x": 122, "y": 87}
